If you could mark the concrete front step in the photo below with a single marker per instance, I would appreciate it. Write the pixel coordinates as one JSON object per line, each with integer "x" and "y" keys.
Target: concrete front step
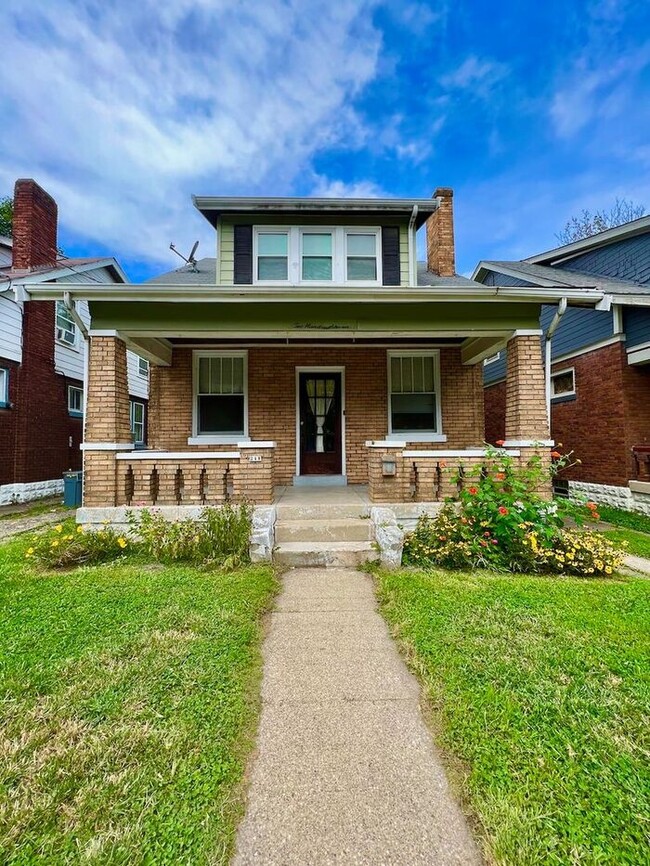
{"x": 322, "y": 511}
{"x": 323, "y": 554}
{"x": 335, "y": 529}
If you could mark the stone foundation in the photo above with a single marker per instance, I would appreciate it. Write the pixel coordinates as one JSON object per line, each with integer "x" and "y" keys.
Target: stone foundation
{"x": 28, "y": 492}
{"x": 618, "y": 497}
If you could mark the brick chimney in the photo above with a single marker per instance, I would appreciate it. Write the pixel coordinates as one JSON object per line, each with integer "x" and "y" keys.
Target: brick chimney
{"x": 34, "y": 226}
{"x": 441, "y": 258}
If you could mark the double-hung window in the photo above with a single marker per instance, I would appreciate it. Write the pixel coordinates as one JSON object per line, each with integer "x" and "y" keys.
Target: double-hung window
{"x": 143, "y": 366}
{"x": 317, "y": 256}
{"x": 66, "y": 330}
{"x": 272, "y": 255}
{"x": 361, "y": 257}
{"x": 414, "y": 406}
{"x": 136, "y": 411}
{"x": 4, "y": 387}
{"x": 75, "y": 401}
{"x": 220, "y": 399}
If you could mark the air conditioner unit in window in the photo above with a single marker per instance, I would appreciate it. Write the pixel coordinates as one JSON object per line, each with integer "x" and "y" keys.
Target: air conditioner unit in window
{"x": 65, "y": 336}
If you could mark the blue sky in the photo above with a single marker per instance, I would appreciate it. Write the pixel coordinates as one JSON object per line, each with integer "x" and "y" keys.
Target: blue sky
{"x": 530, "y": 111}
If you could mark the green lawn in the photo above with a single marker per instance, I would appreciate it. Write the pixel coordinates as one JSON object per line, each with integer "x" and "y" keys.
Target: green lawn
{"x": 540, "y": 696}
{"x": 130, "y": 697}
{"x": 637, "y": 543}
{"x": 626, "y": 519}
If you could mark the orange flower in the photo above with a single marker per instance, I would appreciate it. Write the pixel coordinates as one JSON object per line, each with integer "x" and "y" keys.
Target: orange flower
{"x": 442, "y": 464}
{"x": 473, "y": 491}
{"x": 503, "y": 510}
{"x": 595, "y": 515}
{"x": 500, "y": 476}
{"x": 555, "y": 455}
{"x": 592, "y": 506}
{"x": 501, "y": 441}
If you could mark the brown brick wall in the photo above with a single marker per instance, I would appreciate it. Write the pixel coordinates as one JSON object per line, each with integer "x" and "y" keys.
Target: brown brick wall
{"x": 525, "y": 390}
{"x": 441, "y": 258}
{"x": 36, "y": 432}
{"x": 495, "y": 412}
{"x": 272, "y": 402}
{"x": 610, "y": 414}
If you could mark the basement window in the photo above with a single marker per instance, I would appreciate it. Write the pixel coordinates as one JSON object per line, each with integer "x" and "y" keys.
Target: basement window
{"x": 563, "y": 383}
{"x": 75, "y": 401}
{"x": 220, "y": 398}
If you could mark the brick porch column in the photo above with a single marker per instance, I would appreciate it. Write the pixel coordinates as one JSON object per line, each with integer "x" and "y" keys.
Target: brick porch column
{"x": 526, "y": 418}
{"x": 107, "y": 423}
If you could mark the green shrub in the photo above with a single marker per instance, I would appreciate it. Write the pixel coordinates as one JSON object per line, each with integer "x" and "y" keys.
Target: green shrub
{"x": 63, "y": 547}
{"x": 220, "y": 536}
{"x": 501, "y": 522}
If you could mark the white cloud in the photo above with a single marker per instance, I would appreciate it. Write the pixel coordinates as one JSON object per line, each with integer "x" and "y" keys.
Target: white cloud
{"x": 476, "y": 75}
{"x": 121, "y": 110}
{"x": 326, "y": 188}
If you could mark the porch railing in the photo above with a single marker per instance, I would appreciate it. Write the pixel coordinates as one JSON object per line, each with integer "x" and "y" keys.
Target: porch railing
{"x": 190, "y": 478}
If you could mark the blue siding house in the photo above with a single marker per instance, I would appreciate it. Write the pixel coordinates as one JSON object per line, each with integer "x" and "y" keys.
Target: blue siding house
{"x": 599, "y": 372}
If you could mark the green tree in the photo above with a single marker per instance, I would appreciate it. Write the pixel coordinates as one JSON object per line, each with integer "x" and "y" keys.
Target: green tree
{"x": 588, "y": 223}
{"x": 6, "y": 216}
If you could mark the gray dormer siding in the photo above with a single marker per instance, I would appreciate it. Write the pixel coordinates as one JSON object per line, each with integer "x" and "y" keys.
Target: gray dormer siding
{"x": 625, "y": 260}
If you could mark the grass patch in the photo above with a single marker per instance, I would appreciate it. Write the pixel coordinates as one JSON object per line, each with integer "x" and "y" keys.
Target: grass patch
{"x": 130, "y": 695}
{"x": 627, "y": 519}
{"x": 540, "y": 687}
{"x": 638, "y": 543}
{"x": 53, "y": 506}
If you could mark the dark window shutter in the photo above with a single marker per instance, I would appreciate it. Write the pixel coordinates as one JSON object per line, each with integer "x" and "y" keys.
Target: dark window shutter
{"x": 390, "y": 264}
{"x": 243, "y": 255}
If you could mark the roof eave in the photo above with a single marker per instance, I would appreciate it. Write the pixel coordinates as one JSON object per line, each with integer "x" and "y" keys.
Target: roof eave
{"x": 169, "y": 293}
{"x": 211, "y": 207}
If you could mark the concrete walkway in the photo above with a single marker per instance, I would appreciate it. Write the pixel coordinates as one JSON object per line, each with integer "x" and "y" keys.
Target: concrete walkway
{"x": 346, "y": 771}
{"x": 22, "y": 523}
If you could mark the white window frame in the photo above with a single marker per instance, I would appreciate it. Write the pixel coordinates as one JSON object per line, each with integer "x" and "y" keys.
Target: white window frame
{"x": 132, "y": 404}
{"x": 416, "y": 435}
{"x": 339, "y": 254}
{"x": 73, "y": 411}
{"x": 4, "y": 387}
{"x": 213, "y": 438}
{"x": 143, "y": 372}
{"x": 571, "y": 393}
{"x": 59, "y": 305}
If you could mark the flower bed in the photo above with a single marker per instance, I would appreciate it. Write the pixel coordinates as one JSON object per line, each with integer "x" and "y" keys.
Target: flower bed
{"x": 500, "y": 522}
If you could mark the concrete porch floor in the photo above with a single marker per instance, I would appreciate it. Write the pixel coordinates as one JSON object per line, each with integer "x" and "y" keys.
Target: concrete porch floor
{"x": 344, "y": 494}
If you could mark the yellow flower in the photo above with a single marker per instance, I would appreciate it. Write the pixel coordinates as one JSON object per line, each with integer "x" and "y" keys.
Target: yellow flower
{"x": 30, "y": 551}
{"x": 54, "y": 543}
{"x": 122, "y": 542}
{"x": 59, "y": 528}
{"x": 80, "y": 528}
{"x": 608, "y": 570}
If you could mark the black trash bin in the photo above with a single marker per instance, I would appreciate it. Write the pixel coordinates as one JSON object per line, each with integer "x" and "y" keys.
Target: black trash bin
{"x": 72, "y": 489}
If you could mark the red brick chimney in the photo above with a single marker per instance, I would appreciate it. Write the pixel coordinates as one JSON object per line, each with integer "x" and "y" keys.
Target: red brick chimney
{"x": 34, "y": 226}
{"x": 441, "y": 258}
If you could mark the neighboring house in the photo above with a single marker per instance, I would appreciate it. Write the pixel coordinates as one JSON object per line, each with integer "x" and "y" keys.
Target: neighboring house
{"x": 42, "y": 353}
{"x": 600, "y": 360}
{"x": 314, "y": 350}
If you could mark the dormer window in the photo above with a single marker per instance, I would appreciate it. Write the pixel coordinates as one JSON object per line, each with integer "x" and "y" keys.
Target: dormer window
{"x": 272, "y": 256}
{"x": 316, "y": 255}
{"x": 361, "y": 259}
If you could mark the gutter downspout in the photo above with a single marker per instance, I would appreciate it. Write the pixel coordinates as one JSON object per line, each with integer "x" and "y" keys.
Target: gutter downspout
{"x": 413, "y": 254}
{"x": 552, "y": 328}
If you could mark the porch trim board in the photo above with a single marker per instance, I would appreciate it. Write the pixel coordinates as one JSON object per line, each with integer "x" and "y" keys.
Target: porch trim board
{"x": 320, "y": 369}
{"x": 179, "y": 455}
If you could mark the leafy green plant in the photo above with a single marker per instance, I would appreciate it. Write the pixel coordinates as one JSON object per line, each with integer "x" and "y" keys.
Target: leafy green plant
{"x": 65, "y": 546}
{"x": 502, "y": 522}
{"x": 220, "y": 536}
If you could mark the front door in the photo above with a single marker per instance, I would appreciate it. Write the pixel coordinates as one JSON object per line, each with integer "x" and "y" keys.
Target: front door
{"x": 319, "y": 398}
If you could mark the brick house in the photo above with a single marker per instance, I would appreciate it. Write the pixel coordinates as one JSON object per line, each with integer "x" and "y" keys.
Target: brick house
{"x": 42, "y": 353}
{"x": 599, "y": 370}
{"x": 312, "y": 350}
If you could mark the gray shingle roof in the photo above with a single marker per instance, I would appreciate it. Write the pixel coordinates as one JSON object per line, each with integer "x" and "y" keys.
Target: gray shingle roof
{"x": 564, "y": 277}
{"x": 205, "y": 274}
{"x": 428, "y": 278}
